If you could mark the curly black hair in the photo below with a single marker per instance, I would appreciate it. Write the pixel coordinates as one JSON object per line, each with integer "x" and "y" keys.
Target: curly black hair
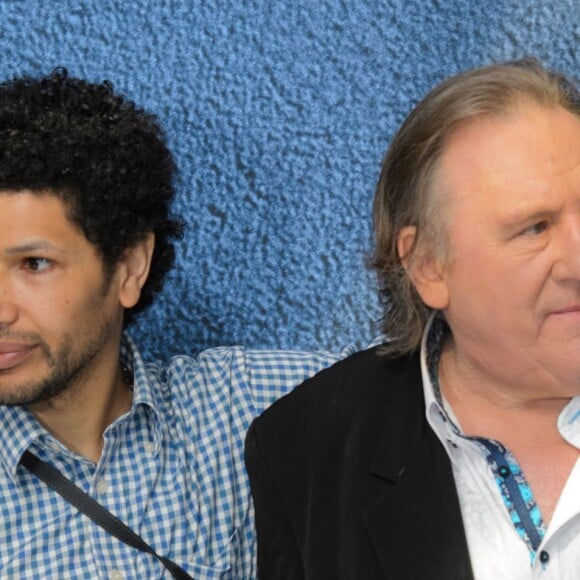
{"x": 103, "y": 156}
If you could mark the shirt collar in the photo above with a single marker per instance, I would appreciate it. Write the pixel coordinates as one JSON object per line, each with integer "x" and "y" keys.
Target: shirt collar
{"x": 569, "y": 422}
{"x": 19, "y": 428}
{"x": 147, "y": 387}
{"x": 439, "y": 413}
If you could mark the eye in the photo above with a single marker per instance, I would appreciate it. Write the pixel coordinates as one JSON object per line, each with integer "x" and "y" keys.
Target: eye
{"x": 37, "y": 265}
{"x": 535, "y": 229}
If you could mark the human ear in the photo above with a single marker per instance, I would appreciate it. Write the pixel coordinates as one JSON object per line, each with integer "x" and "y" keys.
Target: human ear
{"x": 424, "y": 267}
{"x": 134, "y": 269}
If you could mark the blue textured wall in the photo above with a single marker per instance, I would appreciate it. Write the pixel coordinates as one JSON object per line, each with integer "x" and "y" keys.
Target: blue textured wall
{"x": 278, "y": 112}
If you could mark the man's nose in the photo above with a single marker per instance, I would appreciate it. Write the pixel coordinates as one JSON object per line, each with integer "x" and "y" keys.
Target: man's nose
{"x": 567, "y": 261}
{"x": 8, "y": 307}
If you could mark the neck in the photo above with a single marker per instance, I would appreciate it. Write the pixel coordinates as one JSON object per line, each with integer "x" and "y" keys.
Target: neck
{"x": 79, "y": 416}
{"x": 527, "y": 426}
{"x": 488, "y": 407}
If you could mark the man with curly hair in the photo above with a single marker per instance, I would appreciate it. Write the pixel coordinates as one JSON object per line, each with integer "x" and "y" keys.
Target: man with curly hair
{"x": 86, "y": 238}
{"x": 451, "y": 452}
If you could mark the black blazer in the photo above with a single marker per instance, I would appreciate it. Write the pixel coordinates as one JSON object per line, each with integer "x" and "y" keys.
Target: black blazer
{"x": 350, "y": 482}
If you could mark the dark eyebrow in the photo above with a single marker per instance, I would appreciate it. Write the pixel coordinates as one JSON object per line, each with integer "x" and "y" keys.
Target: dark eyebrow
{"x": 33, "y": 246}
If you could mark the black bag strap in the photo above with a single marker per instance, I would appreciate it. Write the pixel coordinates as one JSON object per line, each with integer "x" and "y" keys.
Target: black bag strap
{"x": 94, "y": 510}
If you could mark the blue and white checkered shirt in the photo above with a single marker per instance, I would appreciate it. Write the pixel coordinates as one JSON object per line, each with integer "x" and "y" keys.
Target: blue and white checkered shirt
{"x": 171, "y": 468}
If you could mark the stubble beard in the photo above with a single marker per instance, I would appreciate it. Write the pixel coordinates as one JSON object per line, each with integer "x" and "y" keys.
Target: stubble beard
{"x": 67, "y": 369}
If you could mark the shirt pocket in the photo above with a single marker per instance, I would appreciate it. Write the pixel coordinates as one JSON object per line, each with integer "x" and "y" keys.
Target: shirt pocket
{"x": 201, "y": 572}
{"x": 223, "y": 568}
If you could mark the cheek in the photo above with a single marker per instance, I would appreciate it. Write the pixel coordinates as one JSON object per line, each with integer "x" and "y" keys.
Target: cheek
{"x": 526, "y": 277}
{"x": 55, "y": 313}
{"x": 476, "y": 281}
{"x": 496, "y": 290}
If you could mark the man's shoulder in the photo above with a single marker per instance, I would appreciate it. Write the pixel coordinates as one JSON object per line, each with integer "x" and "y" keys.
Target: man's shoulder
{"x": 337, "y": 419}
{"x": 235, "y": 376}
{"x": 355, "y": 386}
{"x": 252, "y": 358}
{"x": 215, "y": 357}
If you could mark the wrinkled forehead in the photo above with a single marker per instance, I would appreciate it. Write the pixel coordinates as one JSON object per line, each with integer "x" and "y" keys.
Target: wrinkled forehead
{"x": 505, "y": 159}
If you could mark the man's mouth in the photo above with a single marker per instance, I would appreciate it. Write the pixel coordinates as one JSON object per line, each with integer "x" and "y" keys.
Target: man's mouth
{"x": 12, "y": 354}
{"x": 573, "y": 309}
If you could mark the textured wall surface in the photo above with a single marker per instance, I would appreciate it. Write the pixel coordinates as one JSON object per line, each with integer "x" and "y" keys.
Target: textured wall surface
{"x": 278, "y": 113}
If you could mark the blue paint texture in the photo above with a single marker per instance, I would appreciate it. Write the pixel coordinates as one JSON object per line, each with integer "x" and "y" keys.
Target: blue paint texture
{"x": 278, "y": 113}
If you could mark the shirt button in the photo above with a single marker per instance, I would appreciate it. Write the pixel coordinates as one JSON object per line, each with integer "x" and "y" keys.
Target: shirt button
{"x": 149, "y": 447}
{"x": 544, "y": 557}
{"x": 102, "y": 487}
{"x": 116, "y": 575}
{"x": 505, "y": 471}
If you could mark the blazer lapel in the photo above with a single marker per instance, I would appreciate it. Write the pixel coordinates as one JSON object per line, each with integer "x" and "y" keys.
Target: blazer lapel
{"x": 415, "y": 525}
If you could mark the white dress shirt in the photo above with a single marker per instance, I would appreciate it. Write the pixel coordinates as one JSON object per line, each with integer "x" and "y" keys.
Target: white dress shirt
{"x": 498, "y": 550}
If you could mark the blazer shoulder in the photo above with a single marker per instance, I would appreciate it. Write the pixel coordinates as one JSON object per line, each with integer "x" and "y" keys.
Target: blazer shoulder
{"x": 362, "y": 381}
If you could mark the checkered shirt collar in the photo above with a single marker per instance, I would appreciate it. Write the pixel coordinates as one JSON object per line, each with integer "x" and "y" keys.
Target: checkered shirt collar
{"x": 147, "y": 385}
